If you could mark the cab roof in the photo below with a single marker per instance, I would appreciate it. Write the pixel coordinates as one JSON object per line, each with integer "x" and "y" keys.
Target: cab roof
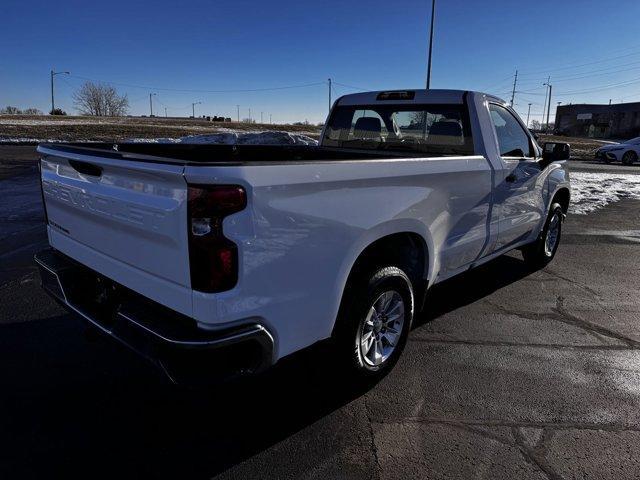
{"x": 418, "y": 96}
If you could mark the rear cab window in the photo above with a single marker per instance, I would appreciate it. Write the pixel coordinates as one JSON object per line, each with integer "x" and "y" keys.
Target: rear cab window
{"x": 429, "y": 129}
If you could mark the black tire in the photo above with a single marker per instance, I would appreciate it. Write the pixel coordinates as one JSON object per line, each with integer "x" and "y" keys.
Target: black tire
{"x": 538, "y": 255}
{"x": 358, "y": 301}
{"x": 629, "y": 157}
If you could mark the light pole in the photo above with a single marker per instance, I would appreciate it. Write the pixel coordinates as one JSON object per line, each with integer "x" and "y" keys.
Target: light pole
{"x": 193, "y": 108}
{"x": 433, "y": 14}
{"x": 53, "y": 74}
{"x": 261, "y": 118}
{"x": 249, "y": 115}
{"x": 238, "y": 107}
{"x": 329, "y": 94}
{"x": 270, "y": 122}
{"x": 151, "y": 104}
{"x": 165, "y": 112}
{"x": 528, "y": 112}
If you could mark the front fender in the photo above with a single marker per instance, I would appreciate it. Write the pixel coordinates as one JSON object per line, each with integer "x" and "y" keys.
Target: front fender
{"x": 557, "y": 179}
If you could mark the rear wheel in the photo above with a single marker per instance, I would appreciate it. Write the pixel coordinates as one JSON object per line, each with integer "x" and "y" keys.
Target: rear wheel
{"x": 629, "y": 157}
{"x": 542, "y": 251}
{"x": 374, "y": 321}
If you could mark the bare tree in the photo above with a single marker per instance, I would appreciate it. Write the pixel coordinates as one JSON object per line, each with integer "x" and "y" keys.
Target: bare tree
{"x": 9, "y": 110}
{"x": 32, "y": 111}
{"x": 100, "y": 100}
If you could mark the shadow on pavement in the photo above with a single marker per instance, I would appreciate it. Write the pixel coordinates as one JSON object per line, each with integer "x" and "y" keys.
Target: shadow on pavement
{"x": 471, "y": 286}
{"x": 72, "y": 406}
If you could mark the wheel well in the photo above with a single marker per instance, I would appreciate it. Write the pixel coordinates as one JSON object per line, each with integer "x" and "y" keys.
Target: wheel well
{"x": 407, "y": 251}
{"x": 562, "y": 197}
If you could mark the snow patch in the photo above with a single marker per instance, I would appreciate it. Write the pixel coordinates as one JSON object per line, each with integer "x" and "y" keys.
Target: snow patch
{"x": 591, "y": 191}
{"x": 236, "y": 138}
{"x": 45, "y": 122}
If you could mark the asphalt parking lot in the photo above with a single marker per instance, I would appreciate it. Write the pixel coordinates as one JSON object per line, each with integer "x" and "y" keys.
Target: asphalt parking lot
{"x": 508, "y": 374}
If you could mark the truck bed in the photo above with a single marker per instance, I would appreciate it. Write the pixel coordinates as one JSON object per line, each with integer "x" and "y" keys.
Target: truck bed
{"x": 231, "y": 155}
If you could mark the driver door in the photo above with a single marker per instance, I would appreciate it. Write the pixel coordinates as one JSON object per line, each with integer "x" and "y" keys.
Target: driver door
{"x": 519, "y": 193}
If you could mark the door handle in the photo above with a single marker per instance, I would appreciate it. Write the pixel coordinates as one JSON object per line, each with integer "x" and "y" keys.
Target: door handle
{"x": 511, "y": 178}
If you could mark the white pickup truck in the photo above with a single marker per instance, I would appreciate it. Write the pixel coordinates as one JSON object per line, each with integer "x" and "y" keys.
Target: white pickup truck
{"x": 218, "y": 259}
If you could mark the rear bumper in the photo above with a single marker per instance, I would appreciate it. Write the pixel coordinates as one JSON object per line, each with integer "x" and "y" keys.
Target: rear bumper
{"x": 170, "y": 340}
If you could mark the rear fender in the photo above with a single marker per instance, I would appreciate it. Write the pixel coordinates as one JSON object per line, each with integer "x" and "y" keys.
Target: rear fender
{"x": 369, "y": 237}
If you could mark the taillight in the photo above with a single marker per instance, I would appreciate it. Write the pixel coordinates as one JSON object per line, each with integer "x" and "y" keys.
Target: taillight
{"x": 213, "y": 259}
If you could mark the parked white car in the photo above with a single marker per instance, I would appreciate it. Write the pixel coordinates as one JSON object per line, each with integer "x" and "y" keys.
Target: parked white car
{"x": 222, "y": 257}
{"x": 626, "y": 152}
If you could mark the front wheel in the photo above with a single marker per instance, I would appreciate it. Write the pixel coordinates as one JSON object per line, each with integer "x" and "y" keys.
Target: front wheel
{"x": 374, "y": 321}
{"x": 542, "y": 251}
{"x": 629, "y": 158}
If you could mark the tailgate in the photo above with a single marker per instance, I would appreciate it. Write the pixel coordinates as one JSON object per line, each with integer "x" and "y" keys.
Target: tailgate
{"x": 130, "y": 213}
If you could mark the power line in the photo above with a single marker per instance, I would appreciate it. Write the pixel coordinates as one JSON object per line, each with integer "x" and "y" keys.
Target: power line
{"x": 351, "y": 86}
{"x": 576, "y": 75}
{"x": 585, "y": 75}
{"x": 606, "y": 70}
{"x": 186, "y": 90}
{"x": 568, "y": 67}
{"x": 602, "y": 87}
{"x": 498, "y": 85}
{"x": 593, "y": 89}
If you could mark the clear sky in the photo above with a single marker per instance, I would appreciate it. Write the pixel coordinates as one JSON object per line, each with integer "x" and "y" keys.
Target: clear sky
{"x": 591, "y": 50}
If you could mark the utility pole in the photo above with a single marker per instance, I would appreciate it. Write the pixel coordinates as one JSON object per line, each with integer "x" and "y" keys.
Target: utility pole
{"x": 329, "y": 94}
{"x": 261, "y": 118}
{"x": 53, "y": 74}
{"x": 193, "y": 108}
{"x": 165, "y": 112}
{"x": 433, "y": 14}
{"x": 238, "y": 107}
{"x": 548, "y": 106}
{"x": 513, "y": 92}
{"x": 270, "y": 122}
{"x": 544, "y": 105}
{"x": 249, "y": 115}
{"x": 528, "y": 112}
{"x": 151, "y": 103}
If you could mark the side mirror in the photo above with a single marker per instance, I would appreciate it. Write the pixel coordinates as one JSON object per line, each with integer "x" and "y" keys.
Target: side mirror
{"x": 555, "y": 152}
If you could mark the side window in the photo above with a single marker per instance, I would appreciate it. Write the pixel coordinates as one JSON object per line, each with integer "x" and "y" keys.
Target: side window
{"x": 513, "y": 141}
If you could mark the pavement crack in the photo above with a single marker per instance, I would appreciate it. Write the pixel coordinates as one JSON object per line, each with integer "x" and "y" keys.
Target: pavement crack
{"x": 551, "y": 426}
{"x": 564, "y": 316}
{"x": 490, "y": 343}
{"x": 572, "y": 282}
{"x": 534, "y": 455}
{"x": 561, "y": 314}
{"x": 372, "y": 439}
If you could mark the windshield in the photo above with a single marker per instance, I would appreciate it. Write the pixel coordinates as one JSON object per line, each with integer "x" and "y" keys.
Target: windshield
{"x": 431, "y": 129}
